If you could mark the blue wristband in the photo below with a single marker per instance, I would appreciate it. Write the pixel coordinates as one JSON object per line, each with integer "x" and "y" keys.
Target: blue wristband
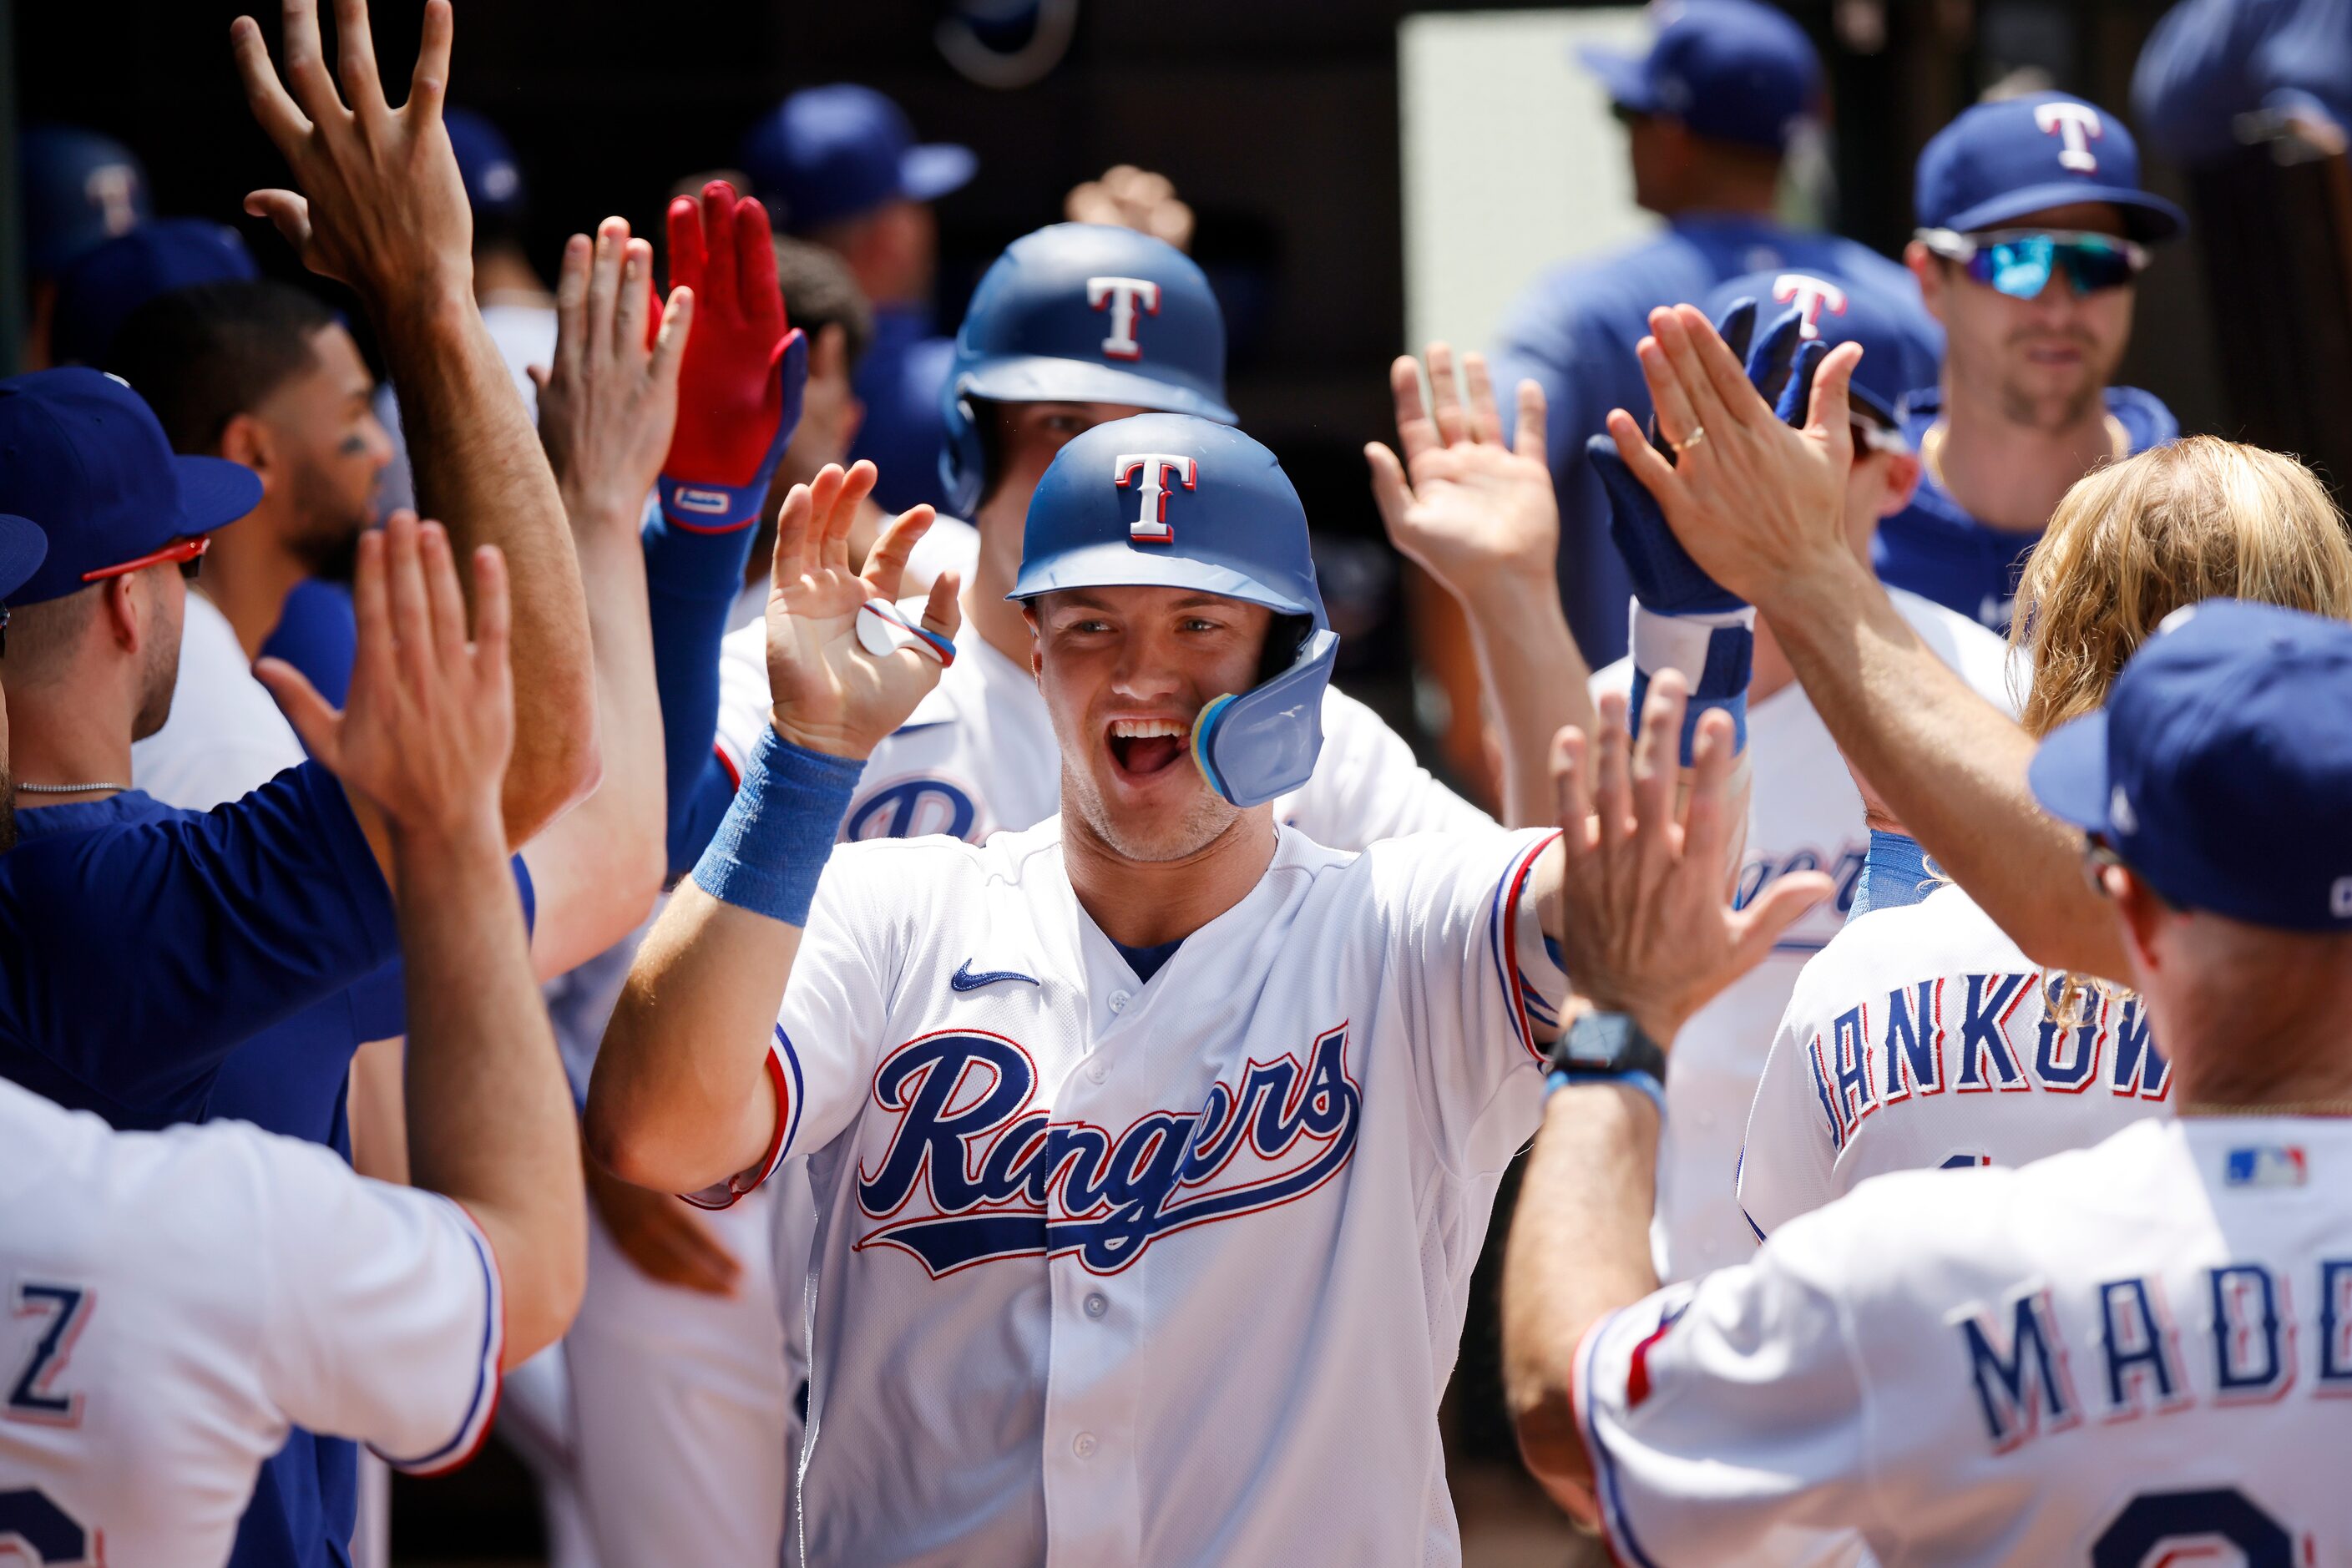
{"x": 1559, "y": 1079}
{"x": 777, "y": 835}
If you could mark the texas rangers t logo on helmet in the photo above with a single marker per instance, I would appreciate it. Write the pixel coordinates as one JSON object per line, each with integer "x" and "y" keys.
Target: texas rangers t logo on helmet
{"x": 1123, "y": 295}
{"x": 1811, "y": 296}
{"x": 2075, "y": 124}
{"x": 1153, "y": 472}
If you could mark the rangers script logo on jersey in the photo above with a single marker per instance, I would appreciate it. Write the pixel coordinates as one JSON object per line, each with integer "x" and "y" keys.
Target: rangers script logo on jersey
{"x": 962, "y": 1099}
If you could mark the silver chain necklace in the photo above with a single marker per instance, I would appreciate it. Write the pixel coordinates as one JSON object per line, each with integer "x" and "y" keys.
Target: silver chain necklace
{"x": 66, "y": 789}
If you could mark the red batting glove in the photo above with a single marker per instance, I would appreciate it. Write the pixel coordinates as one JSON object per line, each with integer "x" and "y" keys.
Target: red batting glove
{"x": 735, "y": 388}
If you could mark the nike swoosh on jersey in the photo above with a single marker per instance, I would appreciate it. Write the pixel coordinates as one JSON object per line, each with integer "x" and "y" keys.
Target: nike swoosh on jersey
{"x": 963, "y": 979}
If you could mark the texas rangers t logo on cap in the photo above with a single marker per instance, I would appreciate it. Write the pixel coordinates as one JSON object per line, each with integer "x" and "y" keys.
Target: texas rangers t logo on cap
{"x": 1123, "y": 295}
{"x": 1811, "y": 296}
{"x": 1153, "y": 471}
{"x": 2075, "y": 124}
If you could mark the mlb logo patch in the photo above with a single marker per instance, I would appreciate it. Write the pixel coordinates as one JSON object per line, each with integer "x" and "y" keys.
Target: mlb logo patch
{"x": 2266, "y": 1166}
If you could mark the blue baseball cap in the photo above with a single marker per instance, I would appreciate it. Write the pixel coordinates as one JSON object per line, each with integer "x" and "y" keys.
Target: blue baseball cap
{"x": 2220, "y": 768}
{"x": 487, "y": 163}
{"x": 832, "y": 153}
{"x": 1839, "y": 309}
{"x": 22, "y": 546}
{"x": 2001, "y": 161}
{"x": 84, "y": 458}
{"x": 98, "y": 292}
{"x": 1731, "y": 69}
{"x": 81, "y": 190}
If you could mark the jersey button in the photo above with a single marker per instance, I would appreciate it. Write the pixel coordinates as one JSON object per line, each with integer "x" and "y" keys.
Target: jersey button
{"x": 1083, "y": 1445}
{"x": 1119, "y": 1001}
{"x": 1096, "y": 1304}
{"x": 1097, "y": 1071}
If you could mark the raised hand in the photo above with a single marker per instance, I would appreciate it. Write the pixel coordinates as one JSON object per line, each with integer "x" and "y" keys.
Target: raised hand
{"x": 832, "y": 693}
{"x": 425, "y": 734}
{"x": 1129, "y": 197}
{"x": 1464, "y": 504}
{"x": 607, "y": 405}
{"x": 1645, "y": 925}
{"x": 740, "y": 392}
{"x": 379, "y": 203}
{"x": 1759, "y": 503}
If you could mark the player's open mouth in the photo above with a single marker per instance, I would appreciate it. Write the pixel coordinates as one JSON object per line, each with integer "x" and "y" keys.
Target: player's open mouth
{"x": 1143, "y": 747}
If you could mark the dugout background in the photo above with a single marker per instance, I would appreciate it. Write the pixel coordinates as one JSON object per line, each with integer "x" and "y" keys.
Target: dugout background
{"x": 1276, "y": 119}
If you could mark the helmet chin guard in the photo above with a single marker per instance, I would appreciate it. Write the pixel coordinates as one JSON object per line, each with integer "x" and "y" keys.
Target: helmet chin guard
{"x": 1255, "y": 745}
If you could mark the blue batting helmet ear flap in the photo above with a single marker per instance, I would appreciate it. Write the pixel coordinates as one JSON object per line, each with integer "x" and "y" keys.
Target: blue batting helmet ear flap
{"x": 1081, "y": 312}
{"x": 1263, "y": 742}
{"x": 1172, "y": 500}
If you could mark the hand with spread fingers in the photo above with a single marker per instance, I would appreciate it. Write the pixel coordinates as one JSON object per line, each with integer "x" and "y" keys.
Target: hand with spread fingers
{"x": 846, "y": 663}
{"x": 1647, "y": 927}
{"x": 1757, "y": 502}
{"x": 607, "y": 405}
{"x": 378, "y": 203}
{"x": 1464, "y": 504}
{"x": 426, "y": 731}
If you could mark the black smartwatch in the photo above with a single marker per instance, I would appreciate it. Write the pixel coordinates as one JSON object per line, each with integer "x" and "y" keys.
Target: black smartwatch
{"x": 1608, "y": 1046}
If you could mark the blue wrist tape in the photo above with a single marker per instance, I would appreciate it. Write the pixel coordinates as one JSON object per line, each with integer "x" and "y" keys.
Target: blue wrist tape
{"x": 1559, "y": 1080}
{"x": 1717, "y": 656}
{"x": 777, "y": 835}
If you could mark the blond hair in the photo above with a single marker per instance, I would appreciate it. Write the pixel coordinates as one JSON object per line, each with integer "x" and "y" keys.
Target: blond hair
{"x": 2200, "y": 517}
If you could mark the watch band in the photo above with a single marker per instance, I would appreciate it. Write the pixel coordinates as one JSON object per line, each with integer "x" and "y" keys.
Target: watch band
{"x": 1607, "y": 1045}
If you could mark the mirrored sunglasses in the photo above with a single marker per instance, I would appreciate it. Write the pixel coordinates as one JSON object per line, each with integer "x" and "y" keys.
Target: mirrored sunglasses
{"x": 2020, "y": 263}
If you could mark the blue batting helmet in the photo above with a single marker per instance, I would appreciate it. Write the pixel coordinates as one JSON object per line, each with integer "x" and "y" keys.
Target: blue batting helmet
{"x": 1082, "y": 312}
{"x": 1173, "y": 501}
{"x": 81, "y": 190}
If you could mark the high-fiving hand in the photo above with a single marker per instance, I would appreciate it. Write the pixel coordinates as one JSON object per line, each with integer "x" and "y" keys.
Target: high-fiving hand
{"x": 1757, "y": 502}
{"x": 379, "y": 204}
{"x": 1464, "y": 504}
{"x": 607, "y": 405}
{"x": 831, "y": 693}
{"x": 429, "y": 722}
{"x": 1645, "y": 927}
{"x": 740, "y": 390}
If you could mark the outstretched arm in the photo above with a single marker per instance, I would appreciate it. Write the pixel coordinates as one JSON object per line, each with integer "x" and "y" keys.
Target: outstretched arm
{"x": 604, "y": 411}
{"x": 380, "y": 208}
{"x": 1759, "y": 506}
{"x": 1477, "y": 514}
{"x": 424, "y": 741}
{"x": 680, "y": 1100}
{"x": 1637, "y": 903}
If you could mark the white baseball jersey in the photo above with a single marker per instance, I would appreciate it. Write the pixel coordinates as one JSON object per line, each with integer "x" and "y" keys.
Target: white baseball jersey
{"x": 2134, "y": 1355}
{"x": 1167, "y": 1271}
{"x": 176, "y": 1301}
{"x": 979, "y": 756}
{"x": 1803, "y": 815}
{"x": 1922, "y": 1037}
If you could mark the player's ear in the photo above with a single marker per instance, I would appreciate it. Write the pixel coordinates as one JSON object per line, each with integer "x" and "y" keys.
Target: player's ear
{"x": 246, "y": 440}
{"x": 2143, "y": 913}
{"x": 1928, "y": 268}
{"x": 1036, "y": 644}
{"x": 1902, "y": 481}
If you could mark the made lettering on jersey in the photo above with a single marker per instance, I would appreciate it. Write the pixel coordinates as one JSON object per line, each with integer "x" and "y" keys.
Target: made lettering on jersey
{"x": 973, "y": 1174}
{"x": 1953, "y": 1036}
{"x": 2247, "y": 1343}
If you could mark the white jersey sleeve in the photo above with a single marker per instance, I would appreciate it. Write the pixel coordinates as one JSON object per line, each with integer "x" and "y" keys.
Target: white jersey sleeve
{"x": 837, "y": 1006}
{"x": 744, "y": 699}
{"x": 177, "y": 1300}
{"x": 1482, "y": 994}
{"x": 383, "y": 1315}
{"x": 1727, "y": 1419}
{"x": 1368, "y": 785}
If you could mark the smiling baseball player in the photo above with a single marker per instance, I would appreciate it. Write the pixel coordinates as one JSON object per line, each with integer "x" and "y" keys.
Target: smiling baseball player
{"x": 1157, "y": 1120}
{"x": 1074, "y": 324}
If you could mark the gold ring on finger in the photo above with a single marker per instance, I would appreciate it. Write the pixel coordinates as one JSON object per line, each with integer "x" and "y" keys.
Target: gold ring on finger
{"x": 1692, "y": 440}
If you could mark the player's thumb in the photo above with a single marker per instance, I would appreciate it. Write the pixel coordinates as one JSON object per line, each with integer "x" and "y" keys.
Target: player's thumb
{"x": 1391, "y": 493}
{"x": 313, "y": 717}
{"x": 1776, "y": 908}
{"x": 1832, "y": 402}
